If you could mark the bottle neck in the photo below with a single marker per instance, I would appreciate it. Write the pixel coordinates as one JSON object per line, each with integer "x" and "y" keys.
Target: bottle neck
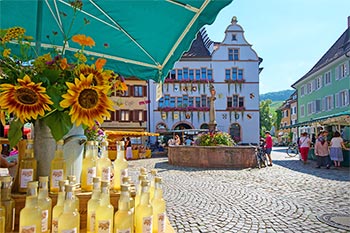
{"x": 104, "y": 152}
{"x": 89, "y": 153}
{"x": 144, "y": 199}
{"x": 124, "y": 201}
{"x": 60, "y": 198}
{"x": 59, "y": 152}
{"x": 158, "y": 192}
{"x": 69, "y": 202}
{"x": 31, "y": 198}
{"x": 105, "y": 199}
{"x": 43, "y": 193}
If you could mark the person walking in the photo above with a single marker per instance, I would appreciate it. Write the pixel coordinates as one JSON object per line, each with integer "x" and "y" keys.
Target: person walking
{"x": 336, "y": 146}
{"x": 322, "y": 151}
{"x": 268, "y": 146}
{"x": 304, "y": 143}
{"x": 128, "y": 148}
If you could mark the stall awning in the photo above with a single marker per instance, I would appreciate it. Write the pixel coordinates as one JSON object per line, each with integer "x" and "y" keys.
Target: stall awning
{"x": 113, "y": 133}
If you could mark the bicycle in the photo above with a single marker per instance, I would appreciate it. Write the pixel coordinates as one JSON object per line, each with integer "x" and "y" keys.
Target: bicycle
{"x": 293, "y": 149}
{"x": 260, "y": 154}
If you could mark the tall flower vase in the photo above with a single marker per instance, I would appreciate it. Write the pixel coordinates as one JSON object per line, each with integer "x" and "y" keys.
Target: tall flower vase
{"x": 45, "y": 146}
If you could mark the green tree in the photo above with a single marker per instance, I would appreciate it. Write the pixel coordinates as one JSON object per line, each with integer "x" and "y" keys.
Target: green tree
{"x": 266, "y": 118}
{"x": 278, "y": 119}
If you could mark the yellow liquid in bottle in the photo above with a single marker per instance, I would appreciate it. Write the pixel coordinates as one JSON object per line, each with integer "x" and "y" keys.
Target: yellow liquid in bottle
{"x": 30, "y": 215}
{"x": 7, "y": 202}
{"x": 2, "y": 216}
{"x": 159, "y": 208}
{"x": 58, "y": 168}
{"x": 45, "y": 204}
{"x": 105, "y": 211}
{"x": 92, "y": 205}
{"x": 120, "y": 166}
{"x": 58, "y": 208}
{"x": 69, "y": 221}
{"x": 123, "y": 218}
{"x": 89, "y": 167}
{"x": 104, "y": 164}
{"x": 27, "y": 168}
{"x": 144, "y": 211}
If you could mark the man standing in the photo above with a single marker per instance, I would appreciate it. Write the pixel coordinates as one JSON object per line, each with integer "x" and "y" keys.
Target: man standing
{"x": 268, "y": 146}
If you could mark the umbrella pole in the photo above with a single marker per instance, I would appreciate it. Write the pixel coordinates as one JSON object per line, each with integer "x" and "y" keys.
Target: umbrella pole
{"x": 38, "y": 32}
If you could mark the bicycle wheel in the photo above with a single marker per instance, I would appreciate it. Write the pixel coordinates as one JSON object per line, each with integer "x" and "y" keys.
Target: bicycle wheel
{"x": 292, "y": 151}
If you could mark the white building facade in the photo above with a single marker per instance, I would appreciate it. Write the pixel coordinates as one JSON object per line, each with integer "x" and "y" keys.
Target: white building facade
{"x": 232, "y": 67}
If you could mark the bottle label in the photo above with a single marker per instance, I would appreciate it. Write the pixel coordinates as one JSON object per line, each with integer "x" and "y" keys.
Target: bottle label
{"x": 123, "y": 173}
{"x": 91, "y": 173}
{"x": 147, "y": 225}
{"x": 124, "y": 231}
{"x": 104, "y": 226}
{"x": 26, "y": 176}
{"x": 44, "y": 220}
{"x": 92, "y": 221}
{"x": 55, "y": 225}
{"x": 161, "y": 223}
{"x": 73, "y": 230}
{"x": 106, "y": 173}
{"x": 28, "y": 229}
{"x": 56, "y": 176}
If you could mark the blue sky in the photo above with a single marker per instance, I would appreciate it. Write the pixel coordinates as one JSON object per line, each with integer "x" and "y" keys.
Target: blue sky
{"x": 290, "y": 35}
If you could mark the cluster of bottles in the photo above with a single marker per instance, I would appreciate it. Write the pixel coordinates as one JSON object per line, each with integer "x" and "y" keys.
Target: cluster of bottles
{"x": 143, "y": 214}
{"x": 7, "y": 205}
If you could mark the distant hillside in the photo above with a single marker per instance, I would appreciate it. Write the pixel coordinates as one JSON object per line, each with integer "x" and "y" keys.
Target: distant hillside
{"x": 274, "y": 105}
{"x": 276, "y": 96}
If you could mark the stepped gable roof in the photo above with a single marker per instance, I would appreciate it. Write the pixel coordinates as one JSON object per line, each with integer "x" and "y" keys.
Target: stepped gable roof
{"x": 198, "y": 48}
{"x": 338, "y": 49}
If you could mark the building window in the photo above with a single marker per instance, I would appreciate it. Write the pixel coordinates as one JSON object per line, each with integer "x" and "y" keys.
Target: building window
{"x": 240, "y": 74}
{"x": 233, "y": 37}
{"x": 235, "y": 101}
{"x": 318, "y": 106}
{"x": 173, "y": 74}
{"x": 310, "y": 108}
{"x": 234, "y": 73}
{"x": 138, "y": 91}
{"x": 204, "y": 100}
{"x": 124, "y": 115}
{"x": 328, "y": 102}
{"x": 229, "y": 102}
{"x": 302, "y": 110}
{"x": 191, "y": 74}
{"x": 241, "y": 102}
{"x": 327, "y": 78}
{"x": 302, "y": 90}
{"x": 138, "y": 115}
{"x": 198, "y": 75}
{"x": 210, "y": 74}
{"x": 233, "y": 54}
{"x": 179, "y": 102}
{"x": 342, "y": 98}
{"x": 161, "y": 103}
{"x": 186, "y": 73}
{"x": 309, "y": 88}
{"x": 227, "y": 74}
{"x": 172, "y": 102}
{"x": 204, "y": 73}
{"x": 318, "y": 83}
{"x": 179, "y": 74}
{"x": 198, "y": 102}
{"x": 341, "y": 71}
{"x": 191, "y": 101}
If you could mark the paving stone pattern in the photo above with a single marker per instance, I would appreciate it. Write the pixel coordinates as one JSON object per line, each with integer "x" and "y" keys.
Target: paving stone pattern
{"x": 286, "y": 197}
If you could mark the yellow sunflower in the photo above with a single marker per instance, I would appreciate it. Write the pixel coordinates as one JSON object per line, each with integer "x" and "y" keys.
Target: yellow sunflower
{"x": 26, "y": 100}
{"x": 99, "y": 78}
{"x": 87, "y": 103}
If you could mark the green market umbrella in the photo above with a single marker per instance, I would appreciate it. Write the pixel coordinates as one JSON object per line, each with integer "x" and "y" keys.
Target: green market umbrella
{"x": 141, "y": 38}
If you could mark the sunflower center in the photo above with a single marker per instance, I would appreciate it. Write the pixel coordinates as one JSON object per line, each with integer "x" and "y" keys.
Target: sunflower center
{"x": 88, "y": 98}
{"x": 26, "y": 96}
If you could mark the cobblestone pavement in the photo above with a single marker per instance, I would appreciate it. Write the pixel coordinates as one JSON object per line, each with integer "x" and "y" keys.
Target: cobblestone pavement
{"x": 287, "y": 197}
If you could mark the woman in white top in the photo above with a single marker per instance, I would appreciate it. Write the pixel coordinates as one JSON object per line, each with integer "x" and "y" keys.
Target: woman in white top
{"x": 304, "y": 146}
{"x": 335, "y": 149}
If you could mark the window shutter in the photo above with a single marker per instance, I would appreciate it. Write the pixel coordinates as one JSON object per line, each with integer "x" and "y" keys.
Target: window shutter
{"x": 112, "y": 115}
{"x": 144, "y": 115}
{"x": 144, "y": 91}
{"x": 347, "y": 71}
{"x": 337, "y": 72}
{"x": 131, "y": 90}
{"x": 131, "y": 115}
{"x": 324, "y": 104}
{"x": 117, "y": 115}
{"x": 337, "y": 100}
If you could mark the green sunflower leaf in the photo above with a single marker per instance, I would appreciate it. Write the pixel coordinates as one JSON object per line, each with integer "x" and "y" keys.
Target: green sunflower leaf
{"x": 59, "y": 124}
{"x": 15, "y": 132}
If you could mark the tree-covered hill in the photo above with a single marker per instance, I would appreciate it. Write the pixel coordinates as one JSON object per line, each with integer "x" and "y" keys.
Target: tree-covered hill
{"x": 276, "y": 96}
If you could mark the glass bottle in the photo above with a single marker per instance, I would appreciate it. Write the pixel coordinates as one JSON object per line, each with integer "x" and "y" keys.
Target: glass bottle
{"x": 127, "y": 181}
{"x": 89, "y": 167}
{"x": 69, "y": 220}
{"x": 123, "y": 218}
{"x": 159, "y": 207}
{"x": 58, "y": 208}
{"x": 144, "y": 211}
{"x": 104, "y": 164}
{"x": 45, "y": 204}
{"x": 58, "y": 167}
{"x": 138, "y": 190}
{"x": 27, "y": 167}
{"x": 105, "y": 211}
{"x": 72, "y": 180}
{"x": 120, "y": 166}
{"x": 2, "y": 215}
{"x": 30, "y": 215}
{"x": 8, "y": 202}
{"x": 92, "y": 205}
{"x": 151, "y": 189}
